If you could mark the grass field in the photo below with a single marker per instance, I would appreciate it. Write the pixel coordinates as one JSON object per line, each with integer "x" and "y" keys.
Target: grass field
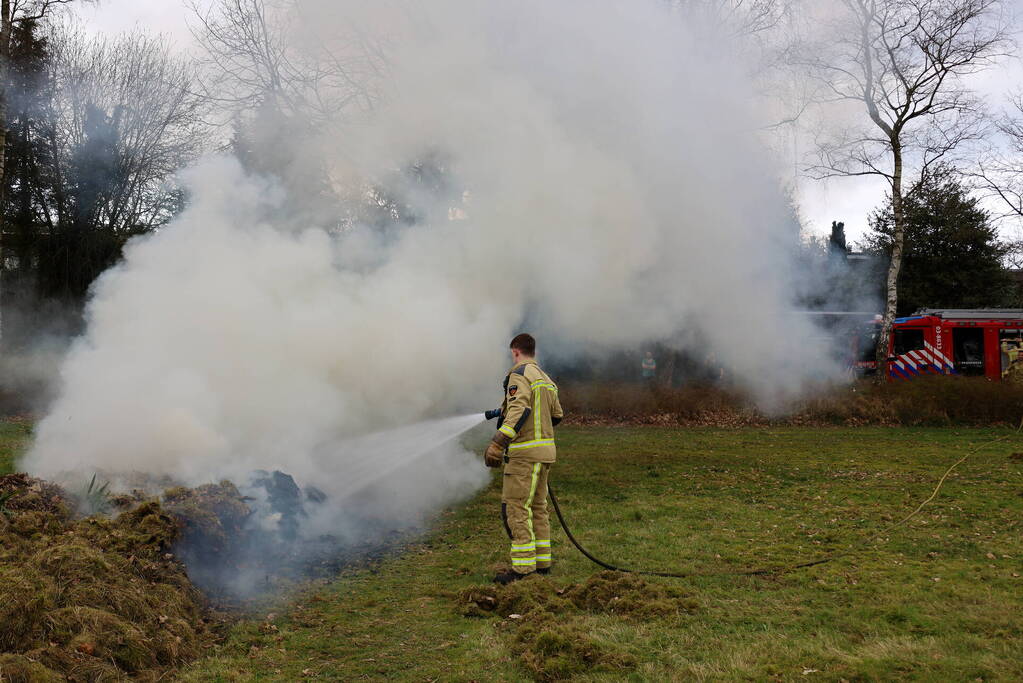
{"x": 14, "y": 435}
{"x": 939, "y": 599}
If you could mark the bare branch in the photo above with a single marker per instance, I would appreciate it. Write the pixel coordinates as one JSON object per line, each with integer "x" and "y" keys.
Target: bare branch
{"x": 252, "y": 60}
{"x": 125, "y": 105}
{"x": 905, "y": 60}
{"x": 739, "y": 18}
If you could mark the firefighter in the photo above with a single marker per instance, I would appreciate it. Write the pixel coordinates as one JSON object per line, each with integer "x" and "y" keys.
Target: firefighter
{"x": 524, "y": 443}
{"x": 1012, "y": 360}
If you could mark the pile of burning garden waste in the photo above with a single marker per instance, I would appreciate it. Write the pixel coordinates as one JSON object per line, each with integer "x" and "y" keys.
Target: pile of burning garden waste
{"x": 240, "y": 541}
{"x": 105, "y": 587}
{"x": 92, "y": 598}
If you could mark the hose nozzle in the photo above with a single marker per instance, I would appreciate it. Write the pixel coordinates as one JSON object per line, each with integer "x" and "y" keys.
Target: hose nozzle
{"x": 491, "y": 414}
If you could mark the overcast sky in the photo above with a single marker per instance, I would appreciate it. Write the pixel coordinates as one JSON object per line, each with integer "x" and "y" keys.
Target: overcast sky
{"x": 162, "y": 16}
{"x": 847, "y": 199}
{"x": 852, "y": 200}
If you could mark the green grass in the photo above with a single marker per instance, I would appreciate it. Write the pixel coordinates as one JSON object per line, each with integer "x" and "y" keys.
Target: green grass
{"x": 939, "y": 599}
{"x": 14, "y": 436}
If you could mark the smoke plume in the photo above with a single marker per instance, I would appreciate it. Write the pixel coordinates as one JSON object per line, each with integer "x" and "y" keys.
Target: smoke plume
{"x": 601, "y": 186}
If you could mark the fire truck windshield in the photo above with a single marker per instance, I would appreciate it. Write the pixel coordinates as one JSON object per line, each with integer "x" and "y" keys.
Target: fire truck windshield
{"x": 908, "y": 339}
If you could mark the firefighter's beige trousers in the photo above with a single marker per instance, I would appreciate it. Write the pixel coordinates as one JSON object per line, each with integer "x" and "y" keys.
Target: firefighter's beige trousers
{"x": 524, "y": 509}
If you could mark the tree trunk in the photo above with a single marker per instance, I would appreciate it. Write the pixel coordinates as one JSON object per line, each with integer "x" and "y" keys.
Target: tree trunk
{"x": 6, "y": 29}
{"x": 5, "y": 56}
{"x": 894, "y": 266}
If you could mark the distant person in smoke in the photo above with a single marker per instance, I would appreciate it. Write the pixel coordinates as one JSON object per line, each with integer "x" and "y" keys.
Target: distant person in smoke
{"x": 713, "y": 371}
{"x": 524, "y": 443}
{"x": 649, "y": 368}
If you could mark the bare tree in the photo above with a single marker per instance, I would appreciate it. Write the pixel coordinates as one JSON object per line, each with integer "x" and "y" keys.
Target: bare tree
{"x": 1014, "y": 252}
{"x": 904, "y": 62}
{"x": 999, "y": 174}
{"x": 999, "y": 171}
{"x": 253, "y": 60}
{"x": 130, "y": 101}
{"x": 738, "y": 17}
{"x": 279, "y": 78}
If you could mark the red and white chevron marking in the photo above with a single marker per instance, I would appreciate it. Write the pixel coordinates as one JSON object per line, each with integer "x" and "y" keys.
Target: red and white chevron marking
{"x": 919, "y": 361}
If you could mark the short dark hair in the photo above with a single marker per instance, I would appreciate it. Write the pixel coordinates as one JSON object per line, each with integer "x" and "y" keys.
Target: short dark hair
{"x": 524, "y": 343}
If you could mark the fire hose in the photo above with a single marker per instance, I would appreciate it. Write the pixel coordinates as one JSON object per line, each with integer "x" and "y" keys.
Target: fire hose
{"x": 854, "y": 548}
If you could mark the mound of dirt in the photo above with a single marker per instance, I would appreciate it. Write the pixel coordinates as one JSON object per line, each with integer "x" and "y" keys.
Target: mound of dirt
{"x": 629, "y": 595}
{"x": 608, "y": 592}
{"x": 521, "y": 598}
{"x": 552, "y": 650}
{"x": 551, "y": 638}
{"x": 95, "y": 598}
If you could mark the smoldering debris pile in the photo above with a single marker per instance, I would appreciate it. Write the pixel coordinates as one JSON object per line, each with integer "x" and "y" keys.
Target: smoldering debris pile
{"x": 127, "y": 594}
{"x": 239, "y": 542}
{"x": 96, "y": 598}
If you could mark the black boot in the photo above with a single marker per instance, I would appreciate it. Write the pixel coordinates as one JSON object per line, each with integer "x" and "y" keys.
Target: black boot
{"x": 543, "y": 571}
{"x": 506, "y": 577}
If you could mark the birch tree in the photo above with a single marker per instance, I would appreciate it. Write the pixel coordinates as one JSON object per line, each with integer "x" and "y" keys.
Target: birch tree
{"x": 903, "y": 64}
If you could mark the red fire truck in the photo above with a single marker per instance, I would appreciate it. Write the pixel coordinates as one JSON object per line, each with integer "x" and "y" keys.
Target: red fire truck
{"x": 982, "y": 342}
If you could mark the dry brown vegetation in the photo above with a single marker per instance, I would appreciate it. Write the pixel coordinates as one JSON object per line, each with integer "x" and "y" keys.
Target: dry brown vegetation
{"x": 551, "y": 640}
{"x": 95, "y": 598}
{"x": 939, "y": 401}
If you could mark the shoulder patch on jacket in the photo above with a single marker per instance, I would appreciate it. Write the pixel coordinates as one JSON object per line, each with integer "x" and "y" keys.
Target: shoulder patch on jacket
{"x": 511, "y": 390}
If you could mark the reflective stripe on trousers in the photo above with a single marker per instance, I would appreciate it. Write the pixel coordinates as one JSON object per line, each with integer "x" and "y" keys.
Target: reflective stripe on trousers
{"x": 543, "y": 553}
{"x": 523, "y": 555}
{"x": 524, "y": 509}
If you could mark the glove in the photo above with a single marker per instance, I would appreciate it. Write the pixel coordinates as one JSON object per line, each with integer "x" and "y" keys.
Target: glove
{"x": 491, "y": 414}
{"x": 494, "y": 455}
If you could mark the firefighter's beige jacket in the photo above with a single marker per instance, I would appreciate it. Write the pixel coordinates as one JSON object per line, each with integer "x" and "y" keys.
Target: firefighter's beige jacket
{"x": 529, "y": 412}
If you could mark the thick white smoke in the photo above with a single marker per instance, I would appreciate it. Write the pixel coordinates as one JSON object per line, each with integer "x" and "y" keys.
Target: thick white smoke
{"x": 616, "y": 194}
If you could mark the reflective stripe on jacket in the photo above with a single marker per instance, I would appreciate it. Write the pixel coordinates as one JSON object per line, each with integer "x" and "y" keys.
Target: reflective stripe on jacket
{"x": 530, "y": 408}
